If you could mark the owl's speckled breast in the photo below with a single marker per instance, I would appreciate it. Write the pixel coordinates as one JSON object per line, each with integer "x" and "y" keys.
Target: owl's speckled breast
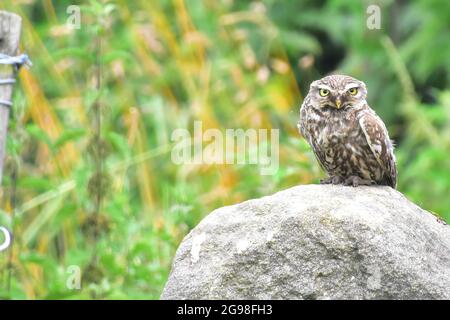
{"x": 340, "y": 144}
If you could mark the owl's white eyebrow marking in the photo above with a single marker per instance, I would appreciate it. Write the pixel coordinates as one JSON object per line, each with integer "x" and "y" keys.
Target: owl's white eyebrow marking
{"x": 323, "y": 86}
{"x": 351, "y": 85}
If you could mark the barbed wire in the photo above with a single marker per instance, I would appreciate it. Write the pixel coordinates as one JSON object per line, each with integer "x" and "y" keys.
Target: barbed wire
{"x": 7, "y": 240}
{"x": 17, "y": 62}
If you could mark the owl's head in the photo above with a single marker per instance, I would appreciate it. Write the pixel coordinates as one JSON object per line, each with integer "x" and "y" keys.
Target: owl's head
{"x": 337, "y": 91}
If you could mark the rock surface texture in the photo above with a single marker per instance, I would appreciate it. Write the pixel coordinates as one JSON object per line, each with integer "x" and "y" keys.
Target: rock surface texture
{"x": 315, "y": 242}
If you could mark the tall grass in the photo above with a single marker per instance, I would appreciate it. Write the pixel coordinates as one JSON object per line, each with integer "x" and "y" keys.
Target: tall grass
{"x": 163, "y": 66}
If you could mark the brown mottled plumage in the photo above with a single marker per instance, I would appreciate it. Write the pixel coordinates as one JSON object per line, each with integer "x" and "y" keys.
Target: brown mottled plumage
{"x": 349, "y": 140}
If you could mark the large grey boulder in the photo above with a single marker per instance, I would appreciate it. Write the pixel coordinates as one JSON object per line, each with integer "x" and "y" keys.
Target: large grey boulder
{"x": 315, "y": 242}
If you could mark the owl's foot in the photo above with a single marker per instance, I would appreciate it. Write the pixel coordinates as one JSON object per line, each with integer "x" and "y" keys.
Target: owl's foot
{"x": 357, "y": 181}
{"x": 332, "y": 180}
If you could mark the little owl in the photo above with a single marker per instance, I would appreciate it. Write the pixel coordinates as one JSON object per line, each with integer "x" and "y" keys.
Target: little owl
{"x": 349, "y": 140}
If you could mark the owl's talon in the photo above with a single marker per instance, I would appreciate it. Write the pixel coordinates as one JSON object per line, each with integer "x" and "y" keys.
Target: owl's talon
{"x": 332, "y": 180}
{"x": 356, "y": 181}
{"x": 337, "y": 180}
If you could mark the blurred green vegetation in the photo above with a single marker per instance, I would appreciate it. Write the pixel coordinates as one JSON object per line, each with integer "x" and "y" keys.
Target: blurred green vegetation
{"x": 163, "y": 65}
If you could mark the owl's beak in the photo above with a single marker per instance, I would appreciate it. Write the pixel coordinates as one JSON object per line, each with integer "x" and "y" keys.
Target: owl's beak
{"x": 338, "y": 103}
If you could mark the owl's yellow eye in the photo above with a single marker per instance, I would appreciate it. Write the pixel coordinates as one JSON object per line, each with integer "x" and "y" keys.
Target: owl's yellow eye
{"x": 324, "y": 92}
{"x": 353, "y": 91}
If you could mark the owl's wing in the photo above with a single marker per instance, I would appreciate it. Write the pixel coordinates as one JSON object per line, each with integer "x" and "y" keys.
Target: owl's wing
{"x": 303, "y": 120}
{"x": 302, "y": 127}
{"x": 378, "y": 140}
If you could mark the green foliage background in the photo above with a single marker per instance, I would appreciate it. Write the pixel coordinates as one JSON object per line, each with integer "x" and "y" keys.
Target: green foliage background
{"x": 115, "y": 204}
